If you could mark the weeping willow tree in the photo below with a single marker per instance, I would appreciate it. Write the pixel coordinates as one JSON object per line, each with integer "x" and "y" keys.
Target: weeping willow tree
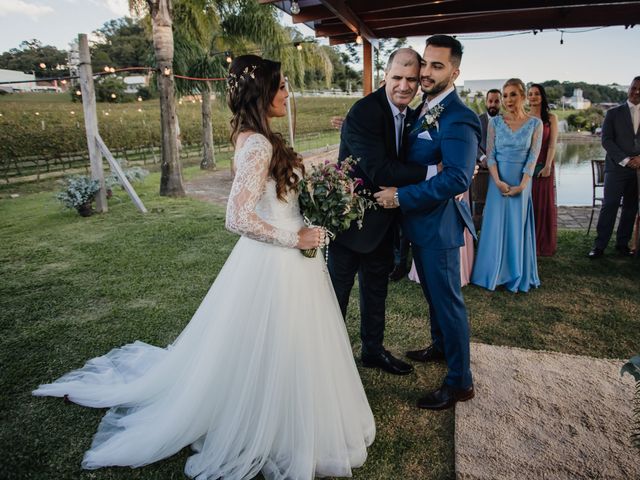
{"x": 204, "y": 32}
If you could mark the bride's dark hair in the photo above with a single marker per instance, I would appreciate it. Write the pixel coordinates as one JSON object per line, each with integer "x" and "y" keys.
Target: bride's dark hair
{"x": 252, "y": 84}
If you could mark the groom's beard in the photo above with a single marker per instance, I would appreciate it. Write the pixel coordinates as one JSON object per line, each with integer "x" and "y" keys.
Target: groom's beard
{"x": 434, "y": 89}
{"x": 492, "y": 111}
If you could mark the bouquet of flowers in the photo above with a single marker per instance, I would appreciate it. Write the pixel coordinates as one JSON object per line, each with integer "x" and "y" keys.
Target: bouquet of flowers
{"x": 328, "y": 198}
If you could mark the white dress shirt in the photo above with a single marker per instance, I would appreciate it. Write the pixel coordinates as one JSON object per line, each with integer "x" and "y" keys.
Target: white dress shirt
{"x": 634, "y": 110}
{"x": 432, "y": 170}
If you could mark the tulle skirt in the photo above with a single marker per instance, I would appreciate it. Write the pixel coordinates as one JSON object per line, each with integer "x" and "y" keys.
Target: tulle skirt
{"x": 262, "y": 379}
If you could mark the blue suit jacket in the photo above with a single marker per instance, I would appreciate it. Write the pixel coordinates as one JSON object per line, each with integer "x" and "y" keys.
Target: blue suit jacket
{"x": 431, "y": 216}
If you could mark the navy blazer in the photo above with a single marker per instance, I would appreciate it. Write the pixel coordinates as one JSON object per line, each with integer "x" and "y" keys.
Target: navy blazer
{"x": 368, "y": 134}
{"x": 432, "y": 217}
{"x": 619, "y": 140}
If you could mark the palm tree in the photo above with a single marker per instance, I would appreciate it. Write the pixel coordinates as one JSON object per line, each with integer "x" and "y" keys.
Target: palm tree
{"x": 161, "y": 14}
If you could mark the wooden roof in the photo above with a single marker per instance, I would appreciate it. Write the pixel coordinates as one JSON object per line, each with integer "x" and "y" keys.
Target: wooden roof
{"x": 342, "y": 20}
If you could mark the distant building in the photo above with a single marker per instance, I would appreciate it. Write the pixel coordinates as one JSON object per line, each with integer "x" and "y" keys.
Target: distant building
{"x": 482, "y": 86}
{"x": 16, "y": 76}
{"x": 577, "y": 101}
{"x": 134, "y": 82}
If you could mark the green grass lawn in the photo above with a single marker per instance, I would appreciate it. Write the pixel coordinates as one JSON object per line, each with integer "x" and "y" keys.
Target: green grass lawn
{"x": 72, "y": 288}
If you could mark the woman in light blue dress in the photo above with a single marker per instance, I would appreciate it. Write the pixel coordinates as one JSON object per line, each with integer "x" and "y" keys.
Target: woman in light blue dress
{"x": 507, "y": 249}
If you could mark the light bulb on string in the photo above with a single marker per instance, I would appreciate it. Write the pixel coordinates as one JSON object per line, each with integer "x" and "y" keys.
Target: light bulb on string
{"x": 113, "y": 95}
{"x": 359, "y": 39}
{"x": 43, "y": 65}
{"x": 228, "y": 56}
{"x": 166, "y": 71}
{"x": 298, "y": 45}
{"x": 78, "y": 93}
{"x": 295, "y": 8}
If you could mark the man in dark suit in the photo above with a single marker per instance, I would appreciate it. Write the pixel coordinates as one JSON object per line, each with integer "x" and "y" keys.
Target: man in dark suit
{"x": 446, "y": 132}
{"x": 492, "y": 105}
{"x": 481, "y": 181}
{"x": 373, "y": 132}
{"x": 621, "y": 141}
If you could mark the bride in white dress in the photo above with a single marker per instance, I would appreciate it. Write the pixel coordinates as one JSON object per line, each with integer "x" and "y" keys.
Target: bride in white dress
{"x": 262, "y": 379}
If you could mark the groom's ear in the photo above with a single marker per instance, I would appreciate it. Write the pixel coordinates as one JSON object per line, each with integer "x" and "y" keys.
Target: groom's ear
{"x": 455, "y": 75}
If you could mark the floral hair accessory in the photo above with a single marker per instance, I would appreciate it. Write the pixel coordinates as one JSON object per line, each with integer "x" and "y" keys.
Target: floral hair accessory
{"x": 233, "y": 79}
{"x": 431, "y": 118}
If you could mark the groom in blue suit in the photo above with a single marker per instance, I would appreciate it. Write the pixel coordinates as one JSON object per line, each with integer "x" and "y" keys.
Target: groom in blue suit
{"x": 447, "y": 133}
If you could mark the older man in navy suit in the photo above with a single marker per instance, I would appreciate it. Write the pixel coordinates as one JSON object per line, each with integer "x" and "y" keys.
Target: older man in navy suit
{"x": 446, "y": 132}
{"x": 374, "y": 132}
{"x": 621, "y": 141}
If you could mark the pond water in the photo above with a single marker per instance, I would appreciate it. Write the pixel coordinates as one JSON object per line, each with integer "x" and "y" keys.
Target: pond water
{"x": 573, "y": 171}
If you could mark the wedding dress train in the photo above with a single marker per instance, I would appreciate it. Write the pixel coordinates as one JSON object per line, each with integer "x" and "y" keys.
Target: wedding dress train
{"x": 262, "y": 379}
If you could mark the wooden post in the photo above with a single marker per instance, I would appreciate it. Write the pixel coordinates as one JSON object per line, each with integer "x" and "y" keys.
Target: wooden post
{"x": 91, "y": 120}
{"x": 367, "y": 78}
{"x": 289, "y": 118}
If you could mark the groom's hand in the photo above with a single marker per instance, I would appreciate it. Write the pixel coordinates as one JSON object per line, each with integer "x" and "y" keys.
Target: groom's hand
{"x": 386, "y": 197}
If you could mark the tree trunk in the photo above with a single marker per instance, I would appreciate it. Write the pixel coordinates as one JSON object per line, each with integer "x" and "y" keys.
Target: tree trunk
{"x": 171, "y": 171}
{"x": 208, "y": 161}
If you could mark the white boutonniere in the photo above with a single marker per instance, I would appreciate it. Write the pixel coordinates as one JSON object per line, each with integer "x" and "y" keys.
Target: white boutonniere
{"x": 431, "y": 118}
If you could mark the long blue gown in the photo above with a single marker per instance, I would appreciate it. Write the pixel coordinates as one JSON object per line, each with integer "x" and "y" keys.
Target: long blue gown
{"x": 507, "y": 248}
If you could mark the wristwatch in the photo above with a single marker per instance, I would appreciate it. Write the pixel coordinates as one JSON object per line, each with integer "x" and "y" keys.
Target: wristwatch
{"x": 396, "y": 202}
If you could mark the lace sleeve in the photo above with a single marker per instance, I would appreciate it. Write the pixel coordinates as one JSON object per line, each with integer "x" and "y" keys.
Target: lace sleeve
{"x": 252, "y": 171}
{"x": 534, "y": 149}
{"x": 491, "y": 142}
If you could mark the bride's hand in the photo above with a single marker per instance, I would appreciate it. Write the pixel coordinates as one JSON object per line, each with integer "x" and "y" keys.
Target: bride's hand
{"x": 310, "y": 238}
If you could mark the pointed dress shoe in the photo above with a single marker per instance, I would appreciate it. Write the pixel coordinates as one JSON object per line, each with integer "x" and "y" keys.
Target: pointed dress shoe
{"x": 595, "y": 253}
{"x": 624, "y": 251}
{"x": 445, "y": 397}
{"x": 429, "y": 354}
{"x": 387, "y": 362}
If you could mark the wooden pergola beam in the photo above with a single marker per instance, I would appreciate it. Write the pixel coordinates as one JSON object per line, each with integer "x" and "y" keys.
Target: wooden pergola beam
{"x": 344, "y": 13}
{"x": 592, "y": 16}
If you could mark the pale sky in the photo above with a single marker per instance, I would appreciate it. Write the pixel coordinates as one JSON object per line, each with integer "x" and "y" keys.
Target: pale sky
{"x": 601, "y": 56}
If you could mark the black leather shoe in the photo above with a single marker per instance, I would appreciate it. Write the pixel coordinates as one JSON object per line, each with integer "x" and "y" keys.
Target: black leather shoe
{"x": 387, "y": 362}
{"x": 398, "y": 273}
{"x": 624, "y": 251}
{"x": 445, "y": 397}
{"x": 429, "y": 354}
{"x": 595, "y": 253}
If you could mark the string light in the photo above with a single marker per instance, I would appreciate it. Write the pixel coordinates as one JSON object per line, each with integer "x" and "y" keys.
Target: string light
{"x": 78, "y": 93}
{"x": 139, "y": 109}
{"x": 295, "y": 8}
{"x": 72, "y": 112}
{"x": 113, "y": 95}
{"x": 139, "y": 99}
{"x": 107, "y": 69}
{"x": 298, "y": 45}
{"x": 359, "y": 39}
{"x": 166, "y": 71}
{"x": 43, "y": 65}
{"x": 37, "y": 114}
{"x": 228, "y": 56}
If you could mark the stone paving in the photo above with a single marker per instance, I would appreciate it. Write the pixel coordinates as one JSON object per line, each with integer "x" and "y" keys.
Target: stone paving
{"x": 215, "y": 186}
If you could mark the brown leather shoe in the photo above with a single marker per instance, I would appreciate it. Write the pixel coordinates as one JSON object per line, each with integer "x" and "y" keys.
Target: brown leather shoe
{"x": 429, "y": 354}
{"x": 445, "y": 397}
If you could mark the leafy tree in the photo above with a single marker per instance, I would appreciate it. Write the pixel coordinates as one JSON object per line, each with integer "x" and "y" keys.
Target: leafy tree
{"x": 122, "y": 43}
{"x": 29, "y": 57}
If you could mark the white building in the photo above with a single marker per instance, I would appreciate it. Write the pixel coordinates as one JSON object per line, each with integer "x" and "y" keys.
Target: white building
{"x": 483, "y": 86}
{"x": 133, "y": 82}
{"x": 577, "y": 101}
{"x": 16, "y": 76}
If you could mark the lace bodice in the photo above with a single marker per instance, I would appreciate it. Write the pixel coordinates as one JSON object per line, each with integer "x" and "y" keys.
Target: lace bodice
{"x": 253, "y": 209}
{"x": 521, "y": 146}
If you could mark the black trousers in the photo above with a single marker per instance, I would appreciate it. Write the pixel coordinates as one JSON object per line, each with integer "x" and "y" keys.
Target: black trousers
{"x": 617, "y": 187}
{"x": 373, "y": 272}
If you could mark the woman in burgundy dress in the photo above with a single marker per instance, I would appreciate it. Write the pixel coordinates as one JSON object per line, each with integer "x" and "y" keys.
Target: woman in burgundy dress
{"x": 543, "y": 189}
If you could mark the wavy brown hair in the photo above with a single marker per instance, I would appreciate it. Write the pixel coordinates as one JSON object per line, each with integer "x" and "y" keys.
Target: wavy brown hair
{"x": 253, "y": 83}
